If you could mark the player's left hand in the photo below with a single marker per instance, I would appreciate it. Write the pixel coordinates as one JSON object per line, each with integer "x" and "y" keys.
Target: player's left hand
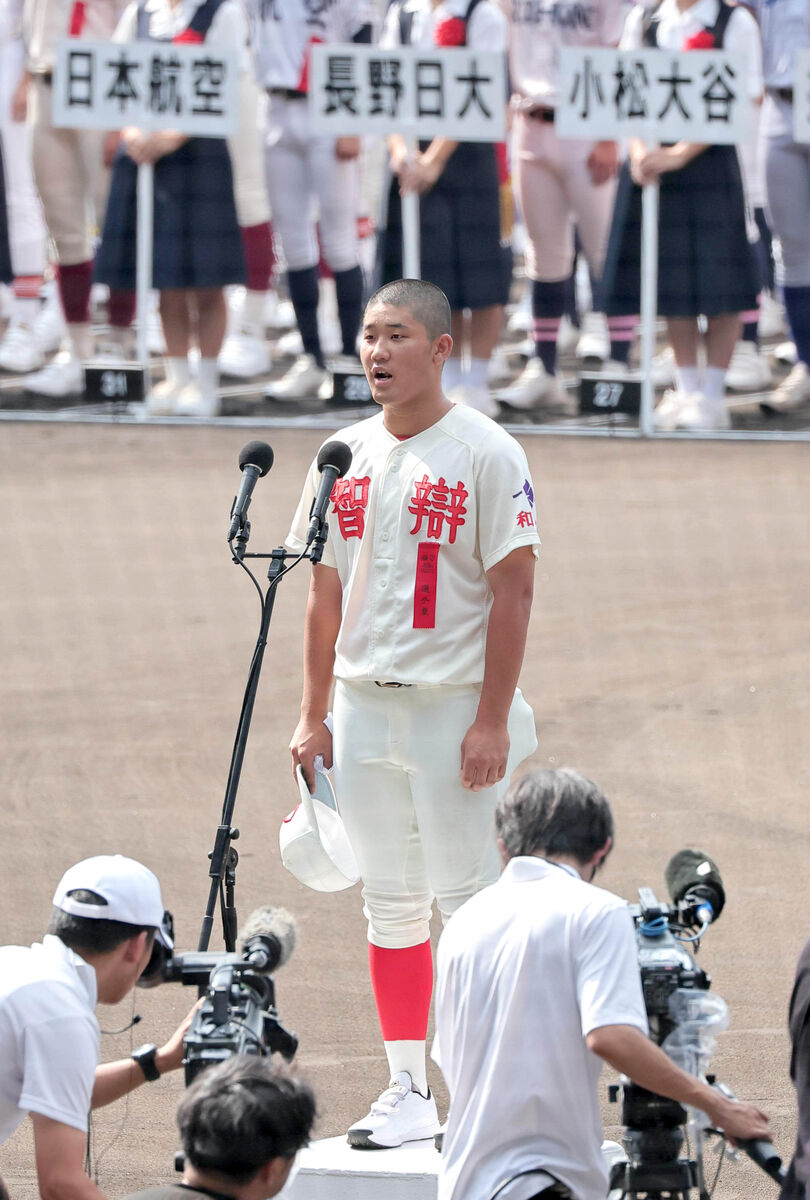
{"x": 419, "y": 176}
{"x": 347, "y": 148}
{"x": 484, "y": 752}
{"x": 603, "y": 162}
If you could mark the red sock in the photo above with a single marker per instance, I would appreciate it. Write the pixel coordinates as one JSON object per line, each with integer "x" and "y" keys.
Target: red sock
{"x": 257, "y": 247}
{"x": 74, "y": 288}
{"x": 121, "y": 308}
{"x": 403, "y": 983}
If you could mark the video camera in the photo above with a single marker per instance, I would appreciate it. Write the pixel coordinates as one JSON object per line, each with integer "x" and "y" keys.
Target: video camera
{"x": 684, "y": 1020}
{"x": 238, "y": 1014}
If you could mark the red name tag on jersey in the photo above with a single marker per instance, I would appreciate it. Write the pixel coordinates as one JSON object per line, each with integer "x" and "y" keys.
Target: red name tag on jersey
{"x": 424, "y": 592}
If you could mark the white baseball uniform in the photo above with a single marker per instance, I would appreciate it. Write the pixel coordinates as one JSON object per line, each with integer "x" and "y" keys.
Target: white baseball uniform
{"x": 552, "y": 180}
{"x": 413, "y": 529}
{"x": 26, "y": 227}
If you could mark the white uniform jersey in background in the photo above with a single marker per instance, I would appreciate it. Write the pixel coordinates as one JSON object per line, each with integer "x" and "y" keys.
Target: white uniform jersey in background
{"x": 412, "y": 529}
{"x": 284, "y": 30}
{"x": 45, "y": 22}
{"x": 487, "y": 28}
{"x": 10, "y": 20}
{"x": 540, "y": 27}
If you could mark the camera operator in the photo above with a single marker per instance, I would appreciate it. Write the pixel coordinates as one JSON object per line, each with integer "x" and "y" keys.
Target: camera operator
{"x": 538, "y": 980}
{"x": 242, "y": 1123}
{"x": 107, "y": 913}
{"x": 797, "y": 1184}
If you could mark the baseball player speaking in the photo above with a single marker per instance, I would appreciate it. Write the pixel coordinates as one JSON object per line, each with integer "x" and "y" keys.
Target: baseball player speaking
{"x": 419, "y": 611}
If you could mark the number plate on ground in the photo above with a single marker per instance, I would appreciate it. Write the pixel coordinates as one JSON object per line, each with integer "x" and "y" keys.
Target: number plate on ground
{"x": 601, "y": 395}
{"x": 114, "y": 382}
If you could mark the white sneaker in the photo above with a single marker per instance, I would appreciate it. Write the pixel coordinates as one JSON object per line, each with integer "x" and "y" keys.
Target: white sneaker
{"x": 611, "y": 367}
{"x": 498, "y": 369}
{"x": 290, "y": 344}
{"x": 668, "y": 412}
{"x": 161, "y": 401}
{"x": 279, "y": 314}
{"x": 663, "y": 368}
{"x": 399, "y": 1115}
{"x": 748, "y": 370}
{"x": 532, "y": 387}
{"x": 793, "y": 391}
{"x": 49, "y": 326}
{"x": 244, "y": 355}
{"x": 191, "y": 402}
{"x": 303, "y": 381}
{"x": 701, "y": 415}
{"x": 786, "y": 354}
{"x": 771, "y": 316}
{"x": 520, "y": 321}
{"x": 594, "y": 341}
{"x": 63, "y": 376}
{"x": 478, "y": 398}
{"x": 567, "y": 338}
{"x": 20, "y": 351}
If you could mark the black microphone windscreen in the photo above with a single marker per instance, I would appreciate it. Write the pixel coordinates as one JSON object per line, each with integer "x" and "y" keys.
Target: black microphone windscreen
{"x": 337, "y": 455}
{"x": 695, "y": 869}
{"x": 256, "y": 454}
{"x": 271, "y": 922}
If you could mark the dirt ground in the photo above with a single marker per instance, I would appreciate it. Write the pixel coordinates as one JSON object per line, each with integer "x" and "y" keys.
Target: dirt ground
{"x": 668, "y": 658}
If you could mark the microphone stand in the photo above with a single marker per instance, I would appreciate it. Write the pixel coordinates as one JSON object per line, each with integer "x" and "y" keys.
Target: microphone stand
{"x": 224, "y": 857}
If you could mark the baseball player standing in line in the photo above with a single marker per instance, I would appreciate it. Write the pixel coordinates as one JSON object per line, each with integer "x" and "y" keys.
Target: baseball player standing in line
{"x": 419, "y": 611}
{"x": 303, "y": 168}
{"x": 558, "y": 182}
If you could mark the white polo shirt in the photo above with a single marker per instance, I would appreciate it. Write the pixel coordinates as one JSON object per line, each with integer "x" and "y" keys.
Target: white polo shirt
{"x": 413, "y": 527}
{"x": 526, "y": 970}
{"x": 49, "y": 1035}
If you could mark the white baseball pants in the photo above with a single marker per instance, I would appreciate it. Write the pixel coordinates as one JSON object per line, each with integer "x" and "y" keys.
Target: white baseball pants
{"x": 416, "y": 832}
{"x": 26, "y": 228}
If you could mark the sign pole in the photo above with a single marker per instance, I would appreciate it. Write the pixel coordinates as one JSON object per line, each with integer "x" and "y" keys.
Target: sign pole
{"x": 411, "y": 249}
{"x": 143, "y": 266}
{"x": 649, "y": 302}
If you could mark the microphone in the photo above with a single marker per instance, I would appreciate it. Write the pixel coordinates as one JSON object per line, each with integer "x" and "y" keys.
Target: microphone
{"x": 255, "y": 460}
{"x": 692, "y": 877}
{"x": 267, "y": 938}
{"x": 334, "y": 460}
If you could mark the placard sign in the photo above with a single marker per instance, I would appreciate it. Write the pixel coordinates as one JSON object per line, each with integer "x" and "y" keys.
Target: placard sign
{"x": 191, "y": 89}
{"x": 801, "y": 97}
{"x": 658, "y": 95}
{"x": 457, "y": 93}
{"x": 602, "y": 395}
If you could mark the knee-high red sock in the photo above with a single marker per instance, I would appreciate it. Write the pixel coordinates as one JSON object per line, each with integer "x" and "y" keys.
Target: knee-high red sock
{"x": 75, "y": 280}
{"x": 121, "y": 308}
{"x": 403, "y": 983}
{"x": 257, "y": 246}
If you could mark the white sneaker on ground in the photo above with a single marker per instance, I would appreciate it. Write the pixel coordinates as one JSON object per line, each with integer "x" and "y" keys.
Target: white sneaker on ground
{"x": 161, "y": 400}
{"x": 191, "y": 402}
{"x": 594, "y": 341}
{"x": 771, "y": 316}
{"x": 279, "y": 314}
{"x": 520, "y": 321}
{"x": 244, "y": 355}
{"x": 613, "y": 367}
{"x": 667, "y": 414}
{"x": 786, "y": 354}
{"x": 498, "y": 369}
{"x": 793, "y": 391}
{"x": 478, "y": 398}
{"x": 20, "y": 351}
{"x": 663, "y": 368}
{"x": 49, "y": 326}
{"x": 748, "y": 370}
{"x": 532, "y": 387}
{"x": 567, "y": 338}
{"x": 701, "y": 415}
{"x": 63, "y": 376}
{"x": 401, "y": 1114}
{"x": 303, "y": 381}
{"x": 290, "y": 344}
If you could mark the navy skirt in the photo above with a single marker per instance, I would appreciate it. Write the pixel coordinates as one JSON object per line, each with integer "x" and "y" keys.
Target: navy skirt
{"x": 197, "y": 243}
{"x": 460, "y": 227}
{"x": 705, "y": 262}
{"x": 6, "y": 272}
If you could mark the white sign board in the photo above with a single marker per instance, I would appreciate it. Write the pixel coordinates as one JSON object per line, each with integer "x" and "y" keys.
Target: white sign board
{"x": 658, "y": 95}
{"x": 456, "y": 93}
{"x": 152, "y": 85}
{"x": 801, "y": 97}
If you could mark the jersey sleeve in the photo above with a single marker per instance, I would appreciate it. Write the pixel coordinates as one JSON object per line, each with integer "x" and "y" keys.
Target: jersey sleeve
{"x": 506, "y": 502}
{"x": 743, "y": 38}
{"x": 297, "y": 537}
{"x": 127, "y": 26}
{"x": 608, "y": 981}
{"x": 631, "y": 33}
{"x": 614, "y": 15}
{"x": 487, "y": 29}
{"x": 60, "y": 1057}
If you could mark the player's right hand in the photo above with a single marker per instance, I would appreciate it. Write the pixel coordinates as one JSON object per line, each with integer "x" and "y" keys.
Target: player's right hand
{"x": 310, "y": 739}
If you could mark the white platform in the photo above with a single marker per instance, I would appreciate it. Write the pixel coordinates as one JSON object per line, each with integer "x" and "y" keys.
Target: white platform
{"x": 332, "y": 1170}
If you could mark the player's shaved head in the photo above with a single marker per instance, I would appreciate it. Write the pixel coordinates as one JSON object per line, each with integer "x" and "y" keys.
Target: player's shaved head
{"x": 423, "y": 300}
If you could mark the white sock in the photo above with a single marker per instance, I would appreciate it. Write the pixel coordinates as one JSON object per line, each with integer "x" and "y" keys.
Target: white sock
{"x": 177, "y": 371}
{"x": 207, "y": 376}
{"x": 477, "y": 372}
{"x": 451, "y": 374}
{"x": 253, "y": 313}
{"x": 410, "y": 1057}
{"x": 687, "y": 379}
{"x": 714, "y": 384}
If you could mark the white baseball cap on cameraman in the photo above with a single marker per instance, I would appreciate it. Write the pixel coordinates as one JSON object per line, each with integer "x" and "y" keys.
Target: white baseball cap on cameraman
{"x": 130, "y": 891}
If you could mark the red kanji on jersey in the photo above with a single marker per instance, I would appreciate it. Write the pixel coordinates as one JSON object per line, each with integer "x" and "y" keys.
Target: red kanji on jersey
{"x": 437, "y": 503}
{"x": 525, "y": 519}
{"x": 350, "y": 499}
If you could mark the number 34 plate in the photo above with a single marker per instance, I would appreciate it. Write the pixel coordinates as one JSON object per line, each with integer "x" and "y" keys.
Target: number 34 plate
{"x": 601, "y": 395}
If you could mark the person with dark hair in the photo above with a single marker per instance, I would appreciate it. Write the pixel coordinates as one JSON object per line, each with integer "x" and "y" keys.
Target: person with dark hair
{"x": 538, "y": 980}
{"x": 419, "y": 612}
{"x": 107, "y": 914}
{"x": 797, "y": 1184}
{"x": 242, "y": 1123}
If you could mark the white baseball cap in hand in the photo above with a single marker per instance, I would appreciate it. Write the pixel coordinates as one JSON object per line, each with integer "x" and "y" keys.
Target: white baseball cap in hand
{"x": 313, "y": 842}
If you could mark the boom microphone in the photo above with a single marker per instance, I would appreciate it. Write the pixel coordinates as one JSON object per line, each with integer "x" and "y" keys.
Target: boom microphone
{"x": 255, "y": 460}
{"x": 267, "y": 938}
{"x": 334, "y": 460}
{"x": 692, "y": 876}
